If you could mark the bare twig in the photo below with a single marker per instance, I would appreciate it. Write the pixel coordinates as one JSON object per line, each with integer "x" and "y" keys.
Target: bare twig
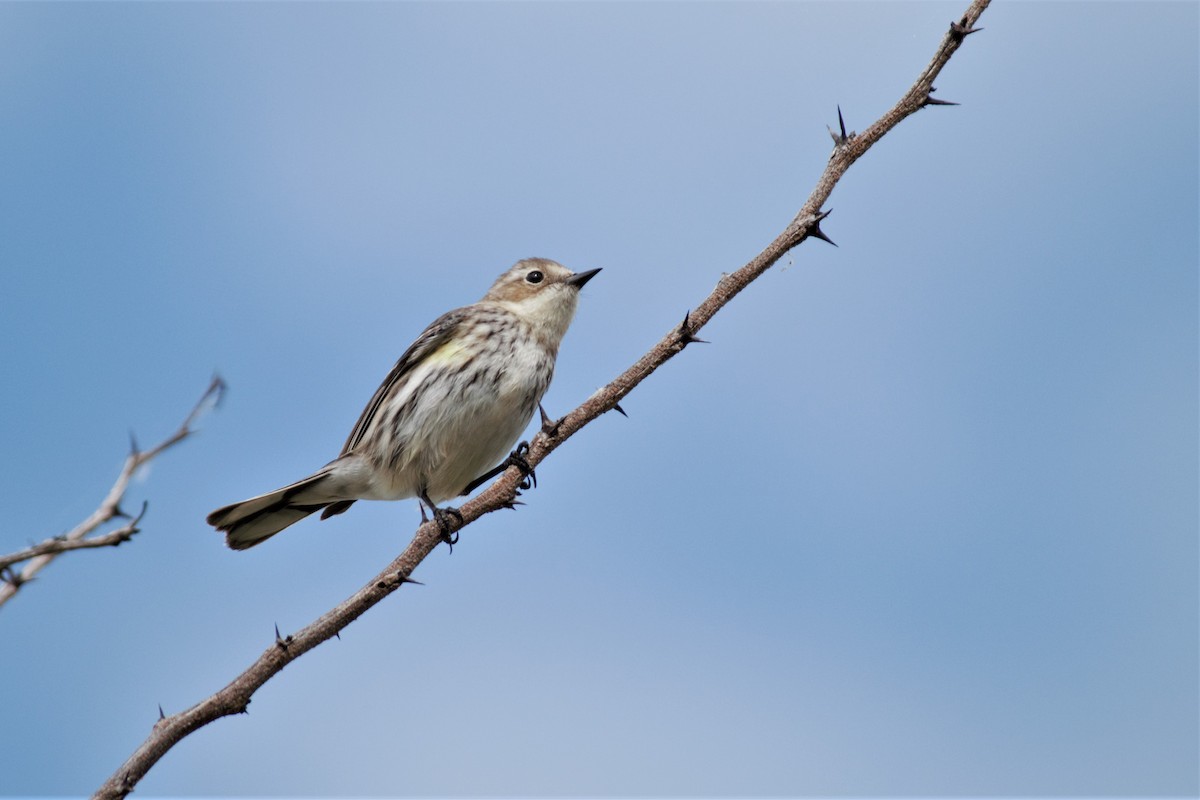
{"x": 235, "y": 697}
{"x": 83, "y": 536}
{"x": 61, "y": 544}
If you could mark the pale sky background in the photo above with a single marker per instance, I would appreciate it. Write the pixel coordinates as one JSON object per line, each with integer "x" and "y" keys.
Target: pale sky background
{"x": 921, "y": 520}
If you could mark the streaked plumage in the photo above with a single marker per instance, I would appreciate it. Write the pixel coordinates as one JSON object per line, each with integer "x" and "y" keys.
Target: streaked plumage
{"x": 452, "y": 407}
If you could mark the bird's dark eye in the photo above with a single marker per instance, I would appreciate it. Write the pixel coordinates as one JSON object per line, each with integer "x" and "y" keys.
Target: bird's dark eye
{"x": 535, "y": 277}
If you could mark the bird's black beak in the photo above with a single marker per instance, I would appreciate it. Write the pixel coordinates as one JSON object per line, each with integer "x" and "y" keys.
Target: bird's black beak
{"x": 580, "y": 278}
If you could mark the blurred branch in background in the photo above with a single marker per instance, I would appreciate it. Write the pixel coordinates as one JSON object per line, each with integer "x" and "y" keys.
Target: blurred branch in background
{"x": 84, "y": 536}
{"x": 235, "y": 697}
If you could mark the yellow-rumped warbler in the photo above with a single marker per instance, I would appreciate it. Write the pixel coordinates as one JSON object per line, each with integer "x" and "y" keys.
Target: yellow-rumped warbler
{"x": 453, "y": 406}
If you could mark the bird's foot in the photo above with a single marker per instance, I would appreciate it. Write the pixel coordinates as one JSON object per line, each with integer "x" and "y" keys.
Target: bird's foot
{"x": 442, "y": 517}
{"x": 515, "y": 459}
{"x": 447, "y": 531}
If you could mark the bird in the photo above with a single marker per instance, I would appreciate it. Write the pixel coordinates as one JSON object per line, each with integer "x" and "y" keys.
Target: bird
{"x": 453, "y": 405}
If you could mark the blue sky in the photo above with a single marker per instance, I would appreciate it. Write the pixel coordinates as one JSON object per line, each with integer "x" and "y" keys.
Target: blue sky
{"x": 921, "y": 519}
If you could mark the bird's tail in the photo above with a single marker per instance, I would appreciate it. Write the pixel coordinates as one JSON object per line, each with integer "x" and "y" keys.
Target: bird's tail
{"x": 251, "y": 521}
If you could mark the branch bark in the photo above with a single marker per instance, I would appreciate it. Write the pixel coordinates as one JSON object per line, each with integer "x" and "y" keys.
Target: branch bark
{"x": 83, "y": 535}
{"x": 235, "y": 697}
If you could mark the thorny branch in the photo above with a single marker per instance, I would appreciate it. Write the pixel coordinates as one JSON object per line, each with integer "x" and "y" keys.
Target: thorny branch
{"x": 83, "y": 535}
{"x": 61, "y": 544}
{"x": 235, "y": 697}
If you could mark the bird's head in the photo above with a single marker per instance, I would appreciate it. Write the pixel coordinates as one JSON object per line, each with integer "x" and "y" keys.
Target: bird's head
{"x": 541, "y": 291}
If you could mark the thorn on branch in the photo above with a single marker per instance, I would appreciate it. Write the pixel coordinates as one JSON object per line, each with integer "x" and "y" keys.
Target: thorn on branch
{"x": 686, "y": 336}
{"x": 13, "y": 578}
{"x": 814, "y": 228}
{"x": 134, "y": 450}
{"x": 282, "y": 641}
{"x": 211, "y": 399}
{"x": 134, "y": 522}
{"x": 161, "y": 715}
{"x": 961, "y": 30}
{"x": 617, "y": 408}
{"x": 216, "y": 389}
{"x": 841, "y": 137}
{"x": 549, "y": 426}
{"x": 930, "y": 100}
{"x": 399, "y": 580}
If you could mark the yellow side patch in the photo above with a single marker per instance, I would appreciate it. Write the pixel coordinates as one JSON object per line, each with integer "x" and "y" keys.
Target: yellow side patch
{"x": 449, "y": 353}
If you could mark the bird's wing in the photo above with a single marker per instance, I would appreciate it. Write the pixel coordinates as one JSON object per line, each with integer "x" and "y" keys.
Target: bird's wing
{"x": 433, "y": 337}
